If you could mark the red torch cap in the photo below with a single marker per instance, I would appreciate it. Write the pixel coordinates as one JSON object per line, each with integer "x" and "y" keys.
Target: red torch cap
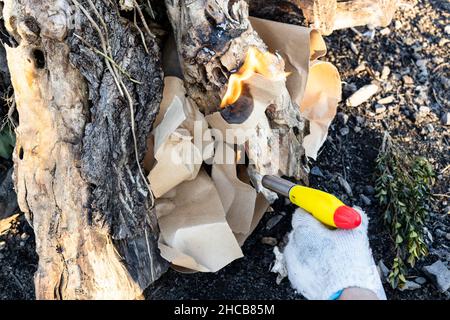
{"x": 346, "y": 218}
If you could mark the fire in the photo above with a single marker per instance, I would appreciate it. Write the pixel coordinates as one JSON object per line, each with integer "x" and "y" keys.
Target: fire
{"x": 263, "y": 63}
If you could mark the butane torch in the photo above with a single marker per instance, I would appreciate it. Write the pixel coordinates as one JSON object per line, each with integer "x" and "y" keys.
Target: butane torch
{"x": 323, "y": 206}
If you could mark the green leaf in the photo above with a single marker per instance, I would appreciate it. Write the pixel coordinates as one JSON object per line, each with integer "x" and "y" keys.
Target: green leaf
{"x": 7, "y": 142}
{"x": 396, "y": 271}
{"x": 411, "y": 260}
{"x": 398, "y": 239}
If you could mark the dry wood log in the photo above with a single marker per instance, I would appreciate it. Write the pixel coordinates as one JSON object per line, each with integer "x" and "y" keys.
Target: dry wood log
{"x": 213, "y": 38}
{"x": 363, "y": 12}
{"x": 76, "y": 172}
{"x": 319, "y": 13}
{"x": 329, "y": 15}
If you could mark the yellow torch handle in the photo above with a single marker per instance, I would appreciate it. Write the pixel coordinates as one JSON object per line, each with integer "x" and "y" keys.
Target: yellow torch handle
{"x": 320, "y": 204}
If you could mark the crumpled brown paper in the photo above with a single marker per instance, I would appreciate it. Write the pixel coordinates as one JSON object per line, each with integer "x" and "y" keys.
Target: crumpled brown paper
{"x": 204, "y": 220}
{"x": 314, "y": 85}
{"x": 238, "y": 198}
{"x": 177, "y": 157}
{"x": 194, "y": 230}
{"x": 319, "y": 104}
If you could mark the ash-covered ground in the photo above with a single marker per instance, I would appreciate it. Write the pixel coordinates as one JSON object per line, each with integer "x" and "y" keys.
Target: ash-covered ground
{"x": 410, "y": 62}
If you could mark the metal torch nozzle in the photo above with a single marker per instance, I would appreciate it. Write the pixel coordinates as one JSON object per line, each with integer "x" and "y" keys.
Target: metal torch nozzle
{"x": 278, "y": 185}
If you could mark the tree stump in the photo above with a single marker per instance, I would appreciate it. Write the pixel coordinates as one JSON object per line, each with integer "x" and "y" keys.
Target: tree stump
{"x": 81, "y": 76}
{"x": 213, "y": 38}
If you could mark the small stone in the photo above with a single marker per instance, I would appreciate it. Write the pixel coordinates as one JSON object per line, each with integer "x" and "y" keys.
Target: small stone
{"x": 370, "y": 34}
{"x": 342, "y": 117}
{"x": 369, "y": 190}
{"x": 22, "y": 243}
{"x": 420, "y": 280}
{"x": 344, "y": 184}
{"x": 315, "y": 171}
{"x": 24, "y": 236}
{"x": 385, "y": 72}
{"x": 410, "y": 285}
{"x": 407, "y": 80}
{"x": 422, "y": 63}
{"x": 362, "y": 95}
{"x": 384, "y": 271}
{"x": 430, "y": 127}
{"x": 354, "y": 48}
{"x": 269, "y": 241}
{"x": 386, "y": 100}
{"x": 388, "y": 87}
{"x": 360, "y": 68}
{"x": 2, "y": 245}
{"x": 344, "y": 131}
{"x": 439, "y": 274}
{"x": 273, "y": 221}
{"x": 447, "y": 236}
{"x": 447, "y": 29}
{"x": 350, "y": 87}
{"x": 397, "y": 25}
{"x": 357, "y": 129}
{"x": 385, "y": 31}
{"x": 443, "y": 42}
{"x": 445, "y": 119}
{"x": 424, "y": 110}
{"x": 437, "y": 60}
{"x": 365, "y": 200}
{"x": 379, "y": 108}
{"x": 396, "y": 76}
{"x": 360, "y": 120}
{"x": 428, "y": 233}
{"x": 392, "y": 108}
{"x": 409, "y": 41}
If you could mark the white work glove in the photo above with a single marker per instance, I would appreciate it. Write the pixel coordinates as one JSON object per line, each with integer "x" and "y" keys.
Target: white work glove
{"x": 320, "y": 262}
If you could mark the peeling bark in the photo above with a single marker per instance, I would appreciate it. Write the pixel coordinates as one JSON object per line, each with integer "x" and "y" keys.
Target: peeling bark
{"x": 76, "y": 172}
{"x": 212, "y": 39}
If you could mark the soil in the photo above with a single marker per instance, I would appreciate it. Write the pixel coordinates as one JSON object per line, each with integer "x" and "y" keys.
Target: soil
{"x": 417, "y": 36}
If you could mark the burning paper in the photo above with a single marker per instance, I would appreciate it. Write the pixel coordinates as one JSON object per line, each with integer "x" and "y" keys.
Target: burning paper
{"x": 204, "y": 219}
{"x": 259, "y": 83}
{"x": 256, "y": 62}
{"x": 314, "y": 85}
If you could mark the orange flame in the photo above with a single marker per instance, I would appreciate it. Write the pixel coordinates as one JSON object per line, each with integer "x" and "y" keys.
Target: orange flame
{"x": 264, "y": 63}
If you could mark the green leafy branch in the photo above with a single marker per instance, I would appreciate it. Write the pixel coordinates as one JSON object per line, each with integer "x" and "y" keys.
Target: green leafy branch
{"x": 403, "y": 189}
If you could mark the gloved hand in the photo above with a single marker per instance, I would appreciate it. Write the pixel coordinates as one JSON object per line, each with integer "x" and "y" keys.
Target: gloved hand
{"x": 321, "y": 262}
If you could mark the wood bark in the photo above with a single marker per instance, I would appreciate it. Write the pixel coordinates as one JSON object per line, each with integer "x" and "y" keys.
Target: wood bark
{"x": 76, "y": 173}
{"x": 277, "y": 10}
{"x": 213, "y": 37}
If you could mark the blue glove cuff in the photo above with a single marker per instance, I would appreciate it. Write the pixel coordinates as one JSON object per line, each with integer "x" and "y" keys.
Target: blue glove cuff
{"x": 336, "y": 295}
